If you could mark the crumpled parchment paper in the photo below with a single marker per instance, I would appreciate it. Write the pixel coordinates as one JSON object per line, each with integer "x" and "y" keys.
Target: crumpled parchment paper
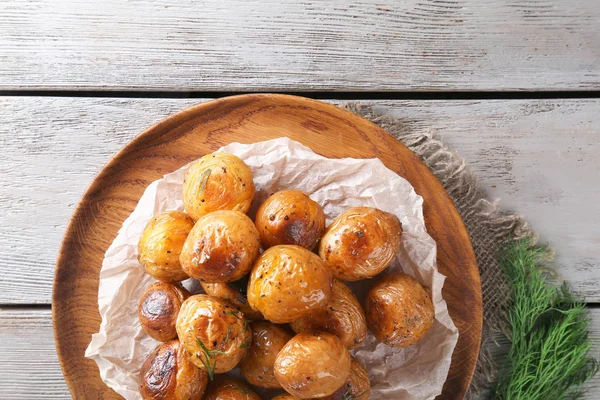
{"x": 414, "y": 373}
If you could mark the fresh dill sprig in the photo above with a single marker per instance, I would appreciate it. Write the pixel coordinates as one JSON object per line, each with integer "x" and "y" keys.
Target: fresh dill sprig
{"x": 549, "y": 357}
{"x": 210, "y": 354}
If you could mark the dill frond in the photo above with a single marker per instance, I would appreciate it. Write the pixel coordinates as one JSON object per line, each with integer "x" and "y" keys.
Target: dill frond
{"x": 549, "y": 357}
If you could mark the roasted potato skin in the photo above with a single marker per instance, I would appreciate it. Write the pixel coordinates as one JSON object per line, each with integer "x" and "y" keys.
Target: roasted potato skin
{"x": 158, "y": 309}
{"x": 399, "y": 310}
{"x": 357, "y": 386}
{"x": 217, "y": 181}
{"x": 343, "y": 316}
{"x": 227, "y": 388}
{"x": 161, "y": 243}
{"x": 290, "y": 217}
{"x": 267, "y": 340}
{"x": 219, "y": 326}
{"x": 285, "y": 396}
{"x": 361, "y": 243}
{"x": 221, "y": 247}
{"x": 312, "y": 365}
{"x": 237, "y": 298}
{"x": 168, "y": 374}
{"x": 288, "y": 282}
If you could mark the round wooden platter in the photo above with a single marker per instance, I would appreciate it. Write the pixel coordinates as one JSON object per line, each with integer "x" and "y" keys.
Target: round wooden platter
{"x": 191, "y": 133}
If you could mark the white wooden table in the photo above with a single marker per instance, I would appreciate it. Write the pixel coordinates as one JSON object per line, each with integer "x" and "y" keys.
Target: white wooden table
{"x": 513, "y": 86}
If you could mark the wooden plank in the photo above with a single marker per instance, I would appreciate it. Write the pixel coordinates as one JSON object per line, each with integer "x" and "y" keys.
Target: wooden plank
{"x": 29, "y": 367}
{"x": 27, "y": 344}
{"x": 539, "y": 156}
{"x": 368, "y": 45}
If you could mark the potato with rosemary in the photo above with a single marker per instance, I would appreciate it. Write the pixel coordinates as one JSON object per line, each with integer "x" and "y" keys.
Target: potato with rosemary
{"x": 290, "y": 217}
{"x": 267, "y": 340}
{"x": 168, "y": 374}
{"x": 161, "y": 243}
{"x": 357, "y": 386}
{"x": 287, "y": 283}
{"x": 227, "y": 388}
{"x": 221, "y": 247}
{"x": 214, "y": 333}
{"x": 399, "y": 310}
{"x": 312, "y": 365}
{"x": 361, "y": 243}
{"x": 343, "y": 316}
{"x": 158, "y": 309}
{"x": 235, "y": 293}
{"x": 217, "y": 181}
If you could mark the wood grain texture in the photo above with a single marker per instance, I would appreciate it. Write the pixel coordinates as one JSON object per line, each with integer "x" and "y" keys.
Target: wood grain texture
{"x": 370, "y": 45}
{"x": 25, "y": 332}
{"x": 538, "y": 156}
{"x": 29, "y": 368}
{"x": 202, "y": 129}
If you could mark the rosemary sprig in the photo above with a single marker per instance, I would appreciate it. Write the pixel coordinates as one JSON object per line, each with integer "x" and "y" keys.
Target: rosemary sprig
{"x": 246, "y": 344}
{"x": 348, "y": 395}
{"x": 236, "y": 314}
{"x": 239, "y": 388}
{"x": 549, "y": 356}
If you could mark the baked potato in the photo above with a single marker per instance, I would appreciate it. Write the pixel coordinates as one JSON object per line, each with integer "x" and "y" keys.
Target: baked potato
{"x": 221, "y": 247}
{"x": 214, "y": 333}
{"x": 399, "y": 310}
{"x": 267, "y": 340}
{"x": 160, "y": 245}
{"x": 343, "y": 316}
{"x": 158, "y": 309}
{"x": 312, "y": 365}
{"x": 227, "y": 388}
{"x": 361, "y": 243}
{"x": 288, "y": 282}
{"x": 290, "y": 217}
{"x": 217, "y": 181}
{"x": 357, "y": 386}
{"x": 168, "y": 374}
{"x": 285, "y": 396}
{"x": 235, "y": 293}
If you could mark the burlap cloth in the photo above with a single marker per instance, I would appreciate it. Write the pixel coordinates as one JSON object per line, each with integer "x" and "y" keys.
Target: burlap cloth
{"x": 489, "y": 228}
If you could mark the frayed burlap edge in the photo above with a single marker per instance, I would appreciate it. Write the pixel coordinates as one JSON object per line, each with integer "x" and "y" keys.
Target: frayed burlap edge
{"x": 489, "y": 228}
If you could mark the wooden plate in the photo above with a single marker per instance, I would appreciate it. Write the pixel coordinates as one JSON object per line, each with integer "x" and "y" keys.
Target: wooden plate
{"x": 204, "y": 128}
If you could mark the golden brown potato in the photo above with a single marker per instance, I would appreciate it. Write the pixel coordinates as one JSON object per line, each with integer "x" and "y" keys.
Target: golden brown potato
{"x": 227, "y": 388}
{"x": 168, "y": 374}
{"x": 343, "y": 316}
{"x": 290, "y": 217}
{"x": 161, "y": 243}
{"x": 221, "y": 247}
{"x": 361, "y": 243}
{"x": 158, "y": 309}
{"x": 267, "y": 341}
{"x": 285, "y": 396}
{"x": 287, "y": 283}
{"x": 357, "y": 386}
{"x": 399, "y": 310}
{"x": 217, "y": 181}
{"x": 235, "y": 293}
{"x": 312, "y": 365}
{"x": 213, "y": 332}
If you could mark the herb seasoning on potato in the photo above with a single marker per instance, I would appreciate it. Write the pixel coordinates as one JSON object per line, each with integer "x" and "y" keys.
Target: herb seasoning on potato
{"x": 161, "y": 243}
{"x": 214, "y": 333}
{"x": 289, "y": 282}
{"x": 290, "y": 217}
{"x": 217, "y": 181}
{"x": 221, "y": 247}
{"x": 361, "y": 243}
{"x": 399, "y": 310}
